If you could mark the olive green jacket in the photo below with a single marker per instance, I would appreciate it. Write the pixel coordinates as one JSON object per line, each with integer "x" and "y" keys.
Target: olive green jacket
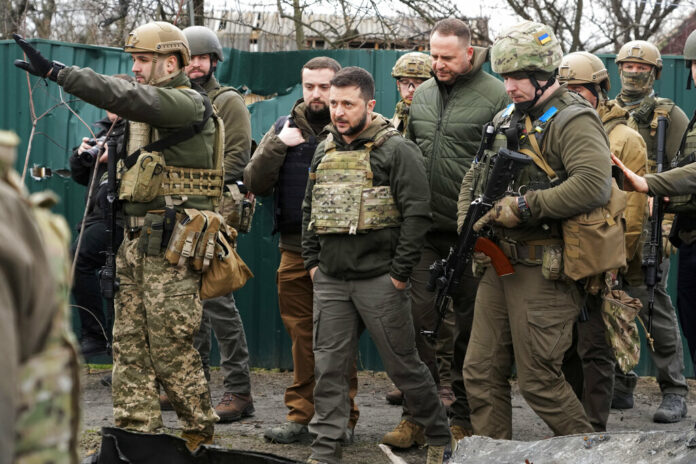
{"x": 230, "y": 106}
{"x": 166, "y": 108}
{"x": 394, "y": 250}
{"x": 261, "y": 174}
{"x": 678, "y": 181}
{"x": 576, "y": 147}
{"x": 446, "y": 125}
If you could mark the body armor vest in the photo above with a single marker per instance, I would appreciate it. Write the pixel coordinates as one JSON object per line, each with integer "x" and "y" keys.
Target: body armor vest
{"x": 150, "y": 177}
{"x": 344, "y": 201}
{"x": 685, "y": 155}
{"x": 292, "y": 182}
{"x": 644, "y": 120}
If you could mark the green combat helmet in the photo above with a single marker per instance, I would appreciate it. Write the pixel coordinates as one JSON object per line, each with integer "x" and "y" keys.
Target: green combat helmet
{"x": 160, "y": 38}
{"x": 640, "y": 51}
{"x": 690, "y": 55}
{"x": 203, "y": 41}
{"x": 414, "y": 64}
{"x": 527, "y": 50}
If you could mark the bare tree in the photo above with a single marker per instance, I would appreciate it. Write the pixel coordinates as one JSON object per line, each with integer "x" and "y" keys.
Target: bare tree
{"x": 592, "y": 25}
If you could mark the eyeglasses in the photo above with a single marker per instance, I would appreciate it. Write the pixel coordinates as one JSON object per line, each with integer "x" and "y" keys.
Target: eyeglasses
{"x": 404, "y": 82}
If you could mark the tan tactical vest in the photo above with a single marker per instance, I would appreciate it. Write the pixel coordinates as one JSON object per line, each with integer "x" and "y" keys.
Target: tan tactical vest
{"x": 344, "y": 201}
{"x": 150, "y": 177}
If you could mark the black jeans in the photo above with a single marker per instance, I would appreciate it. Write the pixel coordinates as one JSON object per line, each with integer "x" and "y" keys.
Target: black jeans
{"x": 85, "y": 291}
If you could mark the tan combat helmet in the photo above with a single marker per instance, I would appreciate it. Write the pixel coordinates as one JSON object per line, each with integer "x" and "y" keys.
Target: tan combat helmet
{"x": 159, "y": 37}
{"x": 414, "y": 64}
{"x": 640, "y": 51}
{"x": 583, "y": 68}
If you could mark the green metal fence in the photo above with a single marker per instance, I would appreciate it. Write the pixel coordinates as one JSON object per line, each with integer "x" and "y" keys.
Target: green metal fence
{"x": 264, "y": 73}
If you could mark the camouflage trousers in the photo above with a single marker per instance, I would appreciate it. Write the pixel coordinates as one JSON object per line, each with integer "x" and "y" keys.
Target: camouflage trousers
{"x": 158, "y": 311}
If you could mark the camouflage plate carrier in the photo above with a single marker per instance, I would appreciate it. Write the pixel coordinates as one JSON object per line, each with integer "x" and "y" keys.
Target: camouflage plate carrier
{"x": 344, "y": 201}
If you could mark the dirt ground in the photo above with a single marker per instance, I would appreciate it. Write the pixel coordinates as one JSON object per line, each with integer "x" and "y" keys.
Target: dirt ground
{"x": 376, "y": 416}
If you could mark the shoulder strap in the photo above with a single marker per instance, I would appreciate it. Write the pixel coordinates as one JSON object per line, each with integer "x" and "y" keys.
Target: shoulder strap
{"x": 536, "y": 153}
{"x": 384, "y": 135}
{"x": 174, "y": 138}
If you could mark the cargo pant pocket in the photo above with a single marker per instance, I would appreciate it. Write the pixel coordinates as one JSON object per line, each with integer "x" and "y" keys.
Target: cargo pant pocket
{"x": 550, "y": 332}
{"x": 396, "y": 320}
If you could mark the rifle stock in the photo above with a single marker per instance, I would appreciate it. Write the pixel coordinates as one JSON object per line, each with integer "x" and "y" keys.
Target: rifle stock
{"x": 445, "y": 274}
{"x": 108, "y": 281}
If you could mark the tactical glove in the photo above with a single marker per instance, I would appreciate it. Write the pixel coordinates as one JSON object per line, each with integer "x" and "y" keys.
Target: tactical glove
{"x": 37, "y": 64}
{"x": 505, "y": 213}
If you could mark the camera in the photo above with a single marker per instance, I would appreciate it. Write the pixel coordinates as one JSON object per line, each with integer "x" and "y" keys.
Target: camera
{"x": 94, "y": 151}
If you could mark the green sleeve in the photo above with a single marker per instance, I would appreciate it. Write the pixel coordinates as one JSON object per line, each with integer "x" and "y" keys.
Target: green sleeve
{"x": 162, "y": 107}
{"x": 678, "y": 181}
{"x": 411, "y": 192}
{"x": 234, "y": 113}
{"x": 262, "y": 172}
{"x": 581, "y": 146}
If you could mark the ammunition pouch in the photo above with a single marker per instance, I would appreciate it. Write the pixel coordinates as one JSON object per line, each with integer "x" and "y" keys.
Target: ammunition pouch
{"x": 227, "y": 271}
{"x": 184, "y": 241}
{"x": 141, "y": 183}
{"x": 619, "y": 312}
{"x": 594, "y": 242}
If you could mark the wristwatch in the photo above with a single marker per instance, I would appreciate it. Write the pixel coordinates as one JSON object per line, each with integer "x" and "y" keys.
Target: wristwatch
{"x": 525, "y": 212}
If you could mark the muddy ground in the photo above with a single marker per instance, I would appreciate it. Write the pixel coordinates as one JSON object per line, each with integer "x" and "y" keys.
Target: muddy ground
{"x": 376, "y": 416}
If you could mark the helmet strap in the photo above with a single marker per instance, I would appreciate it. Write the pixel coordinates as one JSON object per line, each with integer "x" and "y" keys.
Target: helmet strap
{"x": 689, "y": 79}
{"x": 538, "y": 92}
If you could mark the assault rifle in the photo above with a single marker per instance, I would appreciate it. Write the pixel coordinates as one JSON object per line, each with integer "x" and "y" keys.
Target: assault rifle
{"x": 652, "y": 249}
{"x": 445, "y": 274}
{"x": 108, "y": 282}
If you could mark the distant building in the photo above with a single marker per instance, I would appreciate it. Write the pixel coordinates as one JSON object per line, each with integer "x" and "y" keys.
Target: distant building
{"x": 269, "y": 32}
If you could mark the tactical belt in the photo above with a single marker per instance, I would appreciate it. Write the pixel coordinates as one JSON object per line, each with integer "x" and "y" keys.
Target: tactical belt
{"x": 531, "y": 252}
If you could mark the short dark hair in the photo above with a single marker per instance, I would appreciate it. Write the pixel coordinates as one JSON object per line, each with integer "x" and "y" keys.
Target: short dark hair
{"x": 353, "y": 76}
{"x": 453, "y": 26}
{"x": 322, "y": 62}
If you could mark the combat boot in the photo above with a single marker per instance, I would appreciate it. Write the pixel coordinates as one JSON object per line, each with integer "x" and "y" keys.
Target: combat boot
{"x": 395, "y": 397}
{"x": 234, "y": 406}
{"x": 458, "y": 432}
{"x": 440, "y": 454}
{"x": 624, "y": 385}
{"x": 195, "y": 439}
{"x": 405, "y": 435}
{"x": 288, "y": 432}
{"x": 672, "y": 409}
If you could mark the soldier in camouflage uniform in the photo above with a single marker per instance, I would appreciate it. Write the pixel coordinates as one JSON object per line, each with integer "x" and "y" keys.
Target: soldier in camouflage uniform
{"x": 365, "y": 213}
{"x": 158, "y": 309}
{"x": 410, "y": 71}
{"x": 39, "y": 390}
{"x": 586, "y": 75}
{"x": 527, "y": 318}
{"x": 221, "y": 313}
{"x": 640, "y": 64}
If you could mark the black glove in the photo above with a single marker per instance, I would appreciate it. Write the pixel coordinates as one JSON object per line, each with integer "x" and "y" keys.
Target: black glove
{"x": 37, "y": 64}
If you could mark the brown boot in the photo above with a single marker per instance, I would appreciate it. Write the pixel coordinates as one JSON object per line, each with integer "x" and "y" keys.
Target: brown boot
{"x": 165, "y": 404}
{"x": 234, "y": 406}
{"x": 194, "y": 440}
{"x": 458, "y": 432}
{"x": 395, "y": 397}
{"x": 405, "y": 435}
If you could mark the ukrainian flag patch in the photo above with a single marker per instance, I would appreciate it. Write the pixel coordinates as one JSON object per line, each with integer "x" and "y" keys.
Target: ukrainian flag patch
{"x": 543, "y": 38}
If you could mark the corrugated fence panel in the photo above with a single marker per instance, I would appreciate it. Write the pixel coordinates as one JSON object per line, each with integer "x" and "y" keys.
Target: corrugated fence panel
{"x": 263, "y": 73}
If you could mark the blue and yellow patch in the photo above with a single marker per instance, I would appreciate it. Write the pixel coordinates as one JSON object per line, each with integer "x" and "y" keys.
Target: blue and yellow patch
{"x": 543, "y": 38}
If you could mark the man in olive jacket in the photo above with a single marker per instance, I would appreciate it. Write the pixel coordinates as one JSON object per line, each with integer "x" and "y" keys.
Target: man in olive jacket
{"x": 446, "y": 118}
{"x": 360, "y": 256}
{"x": 157, "y": 305}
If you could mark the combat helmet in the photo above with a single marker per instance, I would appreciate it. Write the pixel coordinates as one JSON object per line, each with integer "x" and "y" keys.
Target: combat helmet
{"x": 583, "y": 68}
{"x": 414, "y": 64}
{"x": 531, "y": 50}
{"x": 203, "y": 41}
{"x": 689, "y": 55}
{"x": 158, "y": 37}
{"x": 640, "y": 51}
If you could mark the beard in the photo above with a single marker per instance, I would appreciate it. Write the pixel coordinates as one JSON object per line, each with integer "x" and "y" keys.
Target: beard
{"x": 358, "y": 127}
{"x": 318, "y": 115}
